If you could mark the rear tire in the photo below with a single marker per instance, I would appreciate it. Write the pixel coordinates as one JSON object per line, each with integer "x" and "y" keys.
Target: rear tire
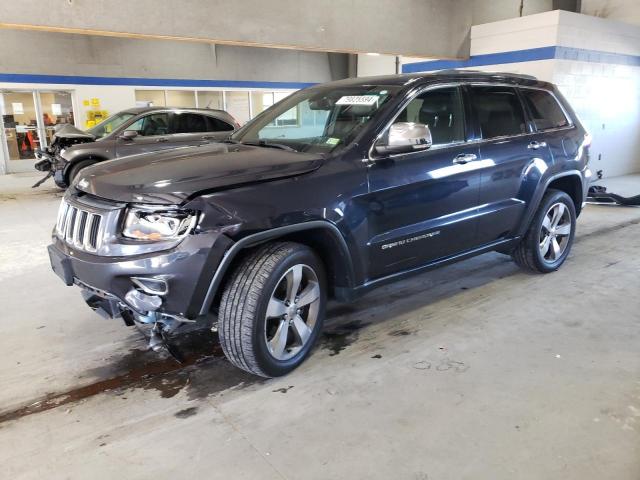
{"x": 272, "y": 309}
{"x": 547, "y": 243}
{"x": 75, "y": 169}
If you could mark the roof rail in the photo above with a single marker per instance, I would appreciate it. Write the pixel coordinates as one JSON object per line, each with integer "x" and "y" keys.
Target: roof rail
{"x": 454, "y": 71}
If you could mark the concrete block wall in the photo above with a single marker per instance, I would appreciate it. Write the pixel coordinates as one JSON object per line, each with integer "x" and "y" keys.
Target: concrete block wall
{"x": 594, "y": 61}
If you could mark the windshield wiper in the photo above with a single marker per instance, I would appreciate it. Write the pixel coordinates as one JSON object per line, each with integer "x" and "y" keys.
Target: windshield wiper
{"x": 264, "y": 143}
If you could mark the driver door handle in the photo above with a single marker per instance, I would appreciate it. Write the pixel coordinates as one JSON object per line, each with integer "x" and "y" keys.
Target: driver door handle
{"x": 162, "y": 139}
{"x": 536, "y": 145}
{"x": 464, "y": 158}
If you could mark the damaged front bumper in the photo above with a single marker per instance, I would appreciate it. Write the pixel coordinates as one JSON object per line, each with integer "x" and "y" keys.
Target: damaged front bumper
{"x": 53, "y": 164}
{"x": 165, "y": 285}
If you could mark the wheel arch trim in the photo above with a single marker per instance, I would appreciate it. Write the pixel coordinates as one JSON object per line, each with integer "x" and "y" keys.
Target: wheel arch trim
{"x": 264, "y": 236}
{"x": 535, "y": 202}
{"x": 80, "y": 158}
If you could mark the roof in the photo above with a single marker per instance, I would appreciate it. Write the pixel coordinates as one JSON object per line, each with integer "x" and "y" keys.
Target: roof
{"x": 139, "y": 110}
{"x": 406, "y": 79}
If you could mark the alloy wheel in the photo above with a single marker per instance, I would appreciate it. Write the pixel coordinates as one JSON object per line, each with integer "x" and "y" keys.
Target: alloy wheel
{"x": 292, "y": 312}
{"x": 555, "y": 232}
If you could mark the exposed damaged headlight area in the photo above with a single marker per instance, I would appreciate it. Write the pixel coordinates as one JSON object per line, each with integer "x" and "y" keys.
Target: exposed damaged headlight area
{"x": 111, "y": 229}
{"x": 149, "y": 225}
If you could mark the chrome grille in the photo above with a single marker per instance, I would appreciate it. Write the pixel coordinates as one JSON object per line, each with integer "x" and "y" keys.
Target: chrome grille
{"x": 79, "y": 227}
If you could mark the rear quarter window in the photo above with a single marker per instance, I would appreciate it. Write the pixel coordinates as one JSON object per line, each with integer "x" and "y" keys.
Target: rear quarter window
{"x": 544, "y": 109}
{"x": 499, "y": 111}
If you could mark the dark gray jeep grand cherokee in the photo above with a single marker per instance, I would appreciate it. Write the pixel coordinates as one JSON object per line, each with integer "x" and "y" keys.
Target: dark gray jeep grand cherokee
{"x": 335, "y": 190}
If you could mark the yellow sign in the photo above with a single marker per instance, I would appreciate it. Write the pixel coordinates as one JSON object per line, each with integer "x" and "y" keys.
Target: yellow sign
{"x": 95, "y": 102}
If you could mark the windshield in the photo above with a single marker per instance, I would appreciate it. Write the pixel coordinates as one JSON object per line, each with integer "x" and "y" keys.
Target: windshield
{"x": 110, "y": 124}
{"x": 316, "y": 120}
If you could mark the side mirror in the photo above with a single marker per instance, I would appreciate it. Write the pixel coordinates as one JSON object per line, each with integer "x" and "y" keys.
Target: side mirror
{"x": 405, "y": 137}
{"x": 128, "y": 135}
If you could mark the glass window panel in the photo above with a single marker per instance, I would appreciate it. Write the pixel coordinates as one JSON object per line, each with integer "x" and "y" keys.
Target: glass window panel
{"x": 318, "y": 121}
{"x": 181, "y": 98}
{"x": 441, "y": 110}
{"x": 20, "y": 125}
{"x": 238, "y": 106}
{"x": 110, "y": 124}
{"x": 57, "y": 109}
{"x": 260, "y": 101}
{"x": 190, "y": 123}
{"x": 544, "y": 109}
{"x": 150, "y": 98}
{"x": 150, "y": 125}
{"x": 211, "y": 100}
{"x": 499, "y": 111}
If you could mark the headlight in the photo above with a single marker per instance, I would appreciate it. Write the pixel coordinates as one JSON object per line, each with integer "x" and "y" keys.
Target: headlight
{"x": 143, "y": 224}
{"x": 62, "y": 150}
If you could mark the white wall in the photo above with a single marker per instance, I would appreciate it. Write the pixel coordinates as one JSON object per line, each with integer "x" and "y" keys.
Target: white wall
{"x": 604, "y": 93}
{"x": 491, "y": 11}
{"x": 370, "y": 65}
{"x": 623, "y": 10}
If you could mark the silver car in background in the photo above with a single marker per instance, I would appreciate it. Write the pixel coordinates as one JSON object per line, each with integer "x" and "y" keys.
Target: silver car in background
{"x": 130, "y": 132}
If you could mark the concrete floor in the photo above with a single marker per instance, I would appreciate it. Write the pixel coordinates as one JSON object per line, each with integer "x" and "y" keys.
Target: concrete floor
{"x": 474, "y": 371}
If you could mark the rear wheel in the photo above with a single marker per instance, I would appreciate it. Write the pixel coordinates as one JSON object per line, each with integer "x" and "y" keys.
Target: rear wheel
{"x": 272, "y": 309}
{"x": 548, "y": 241}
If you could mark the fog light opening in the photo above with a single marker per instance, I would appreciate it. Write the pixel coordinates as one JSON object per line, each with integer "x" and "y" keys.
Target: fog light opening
{"x": 151, "y": 285}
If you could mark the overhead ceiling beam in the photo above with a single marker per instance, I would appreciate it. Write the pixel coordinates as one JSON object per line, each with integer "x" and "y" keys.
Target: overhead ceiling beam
{"x": 418, "y": 28}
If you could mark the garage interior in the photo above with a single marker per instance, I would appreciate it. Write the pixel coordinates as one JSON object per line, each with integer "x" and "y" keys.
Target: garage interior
{"x": 475, "y": 370}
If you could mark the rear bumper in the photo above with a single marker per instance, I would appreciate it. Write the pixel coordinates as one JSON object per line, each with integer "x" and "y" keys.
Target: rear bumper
{"x": 186, "y": 270}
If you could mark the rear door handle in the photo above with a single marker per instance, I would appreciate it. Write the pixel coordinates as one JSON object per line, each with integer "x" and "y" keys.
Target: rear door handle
{"x": 464, "y": 158}
{"x": 208, "y": 137}
{"x": 162, "y": 139}
{"x": 536, "y": 145}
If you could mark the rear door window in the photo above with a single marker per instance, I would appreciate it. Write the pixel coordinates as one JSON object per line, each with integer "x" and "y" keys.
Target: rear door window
{"x": 544, "y": 109}
{"x": 190, "y": 123}
{"x": 217, "y": 125}
{"x": 499, "y": 111}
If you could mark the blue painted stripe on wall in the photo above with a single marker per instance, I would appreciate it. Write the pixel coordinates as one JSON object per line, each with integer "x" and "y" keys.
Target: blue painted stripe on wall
{"x": 529, "y": 55}
{"x": 596, "y": 56}
{"x": 144, "y": 82}
{"x": 515, "y": 56}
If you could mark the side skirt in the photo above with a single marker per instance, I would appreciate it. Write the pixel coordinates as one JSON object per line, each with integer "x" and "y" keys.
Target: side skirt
{"x": 350, "y": 294}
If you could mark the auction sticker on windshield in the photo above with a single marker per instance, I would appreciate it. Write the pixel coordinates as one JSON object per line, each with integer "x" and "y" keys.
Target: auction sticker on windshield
{"x": 357, "y": 100}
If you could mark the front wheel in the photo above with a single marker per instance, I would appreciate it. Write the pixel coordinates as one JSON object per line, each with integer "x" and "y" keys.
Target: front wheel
{"x": 547, "y": 243}
{"x": 272, "y": 309}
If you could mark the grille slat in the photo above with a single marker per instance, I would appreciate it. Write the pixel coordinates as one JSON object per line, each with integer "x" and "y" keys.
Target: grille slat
{"x": 79, "y": 227}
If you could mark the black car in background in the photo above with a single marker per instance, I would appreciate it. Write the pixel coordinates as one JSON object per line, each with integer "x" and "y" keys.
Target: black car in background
{"x": 129, "y": 132}
{"x": 333, "y": 191}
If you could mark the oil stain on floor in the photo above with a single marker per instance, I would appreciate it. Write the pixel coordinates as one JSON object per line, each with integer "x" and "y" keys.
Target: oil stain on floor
{"x": 203, "y": 372}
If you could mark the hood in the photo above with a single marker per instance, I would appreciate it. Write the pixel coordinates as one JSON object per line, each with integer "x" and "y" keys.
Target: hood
{"x": 173, "y": 176}
{"x": 68, "y": 131}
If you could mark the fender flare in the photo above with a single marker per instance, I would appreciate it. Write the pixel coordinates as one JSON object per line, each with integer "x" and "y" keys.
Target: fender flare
{"x": 265, "y": 236}
{"x": 70, "y": 163}
{"x": 540, "y": 191}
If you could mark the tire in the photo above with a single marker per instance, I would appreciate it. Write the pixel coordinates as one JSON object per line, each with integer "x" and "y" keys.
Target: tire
{"x": 259, "y": 332}
{"x": 537, "y": 251}
{"x": 75, "y": 170}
